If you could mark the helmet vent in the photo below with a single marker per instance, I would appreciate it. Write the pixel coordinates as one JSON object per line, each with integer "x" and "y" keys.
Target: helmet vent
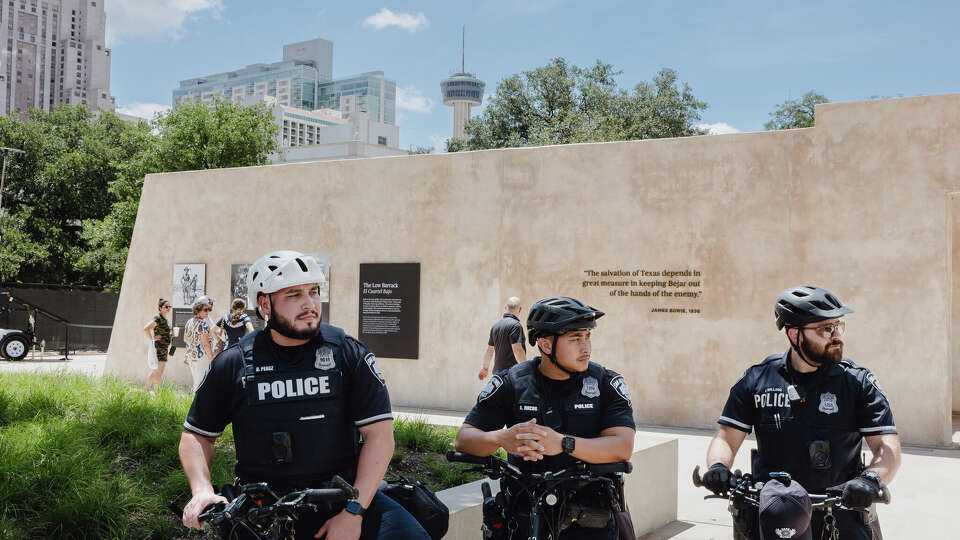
{"x": 821, "y": 305}
{"x": 254, "y": 278}
{"x": 303, "y": 266}
{"x": 833, "y": 300}
{"x": 801, "y": 294}
{"x": 272, "y": 267}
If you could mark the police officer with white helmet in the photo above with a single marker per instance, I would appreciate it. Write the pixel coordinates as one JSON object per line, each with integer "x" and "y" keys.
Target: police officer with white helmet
{"x": 300, "y": 394}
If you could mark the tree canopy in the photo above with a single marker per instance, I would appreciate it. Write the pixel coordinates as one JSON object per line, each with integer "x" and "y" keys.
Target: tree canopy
{"x": 795, "y": 113}
{"x": 70, "y": 202}
{"x": 561, "y": 103}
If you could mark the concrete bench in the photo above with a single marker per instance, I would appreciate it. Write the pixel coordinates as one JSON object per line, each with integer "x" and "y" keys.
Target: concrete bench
{"x": 651, "y": 491}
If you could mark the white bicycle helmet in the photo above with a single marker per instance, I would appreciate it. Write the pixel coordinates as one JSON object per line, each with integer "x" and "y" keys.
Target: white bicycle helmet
{"x": 281, "y": 269}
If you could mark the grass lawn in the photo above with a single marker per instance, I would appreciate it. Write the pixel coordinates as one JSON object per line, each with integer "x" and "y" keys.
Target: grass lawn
{"x": 97, "y": 458}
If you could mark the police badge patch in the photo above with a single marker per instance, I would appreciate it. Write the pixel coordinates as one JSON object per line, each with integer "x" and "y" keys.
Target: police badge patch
{"x": 491, "y": 388}
{"x": 828, "y": 403}
{"x": 785, "y": 532}
{"x": 371, "y": 361}
{"x": 620, "y": 386}
{"x": 591, "y": 387}
{"x": 324, "y": 359}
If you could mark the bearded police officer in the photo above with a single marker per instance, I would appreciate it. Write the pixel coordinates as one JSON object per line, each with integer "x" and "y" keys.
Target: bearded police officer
{"x": 811, "y": 409}
{"x": 557, "y": 407}
{"x": 299, "y": 395}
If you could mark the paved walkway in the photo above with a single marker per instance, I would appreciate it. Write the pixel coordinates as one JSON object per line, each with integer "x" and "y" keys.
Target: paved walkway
{"x": 926, "y": 493}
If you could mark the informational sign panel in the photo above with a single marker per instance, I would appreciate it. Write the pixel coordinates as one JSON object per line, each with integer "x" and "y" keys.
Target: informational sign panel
{"x": 180, "y": 318}
{"x": 390, "y": 309}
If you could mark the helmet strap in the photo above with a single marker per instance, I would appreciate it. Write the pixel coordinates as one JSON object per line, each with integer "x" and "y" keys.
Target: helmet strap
{"x": 796, "y": 347}
{"x": 553, "y": 358}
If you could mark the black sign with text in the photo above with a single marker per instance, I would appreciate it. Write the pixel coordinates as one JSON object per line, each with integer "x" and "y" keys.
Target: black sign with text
{"x": 390, "y": 309}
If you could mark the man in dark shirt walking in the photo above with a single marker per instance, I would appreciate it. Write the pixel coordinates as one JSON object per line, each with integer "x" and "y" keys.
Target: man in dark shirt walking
{"x": 506, "y": 344}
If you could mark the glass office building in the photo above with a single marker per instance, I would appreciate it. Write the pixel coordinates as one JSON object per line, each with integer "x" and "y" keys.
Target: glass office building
{"x": 293, "y": 83}
{"x": 369, "y": 92}
{"x": 302, "y": 80}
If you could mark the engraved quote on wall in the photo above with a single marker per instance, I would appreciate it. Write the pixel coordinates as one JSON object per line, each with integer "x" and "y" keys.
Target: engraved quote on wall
{"x": 668, "y": 291}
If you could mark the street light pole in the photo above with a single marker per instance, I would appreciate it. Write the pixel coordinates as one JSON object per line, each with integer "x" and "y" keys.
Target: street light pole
{"x": 3, "y": 175}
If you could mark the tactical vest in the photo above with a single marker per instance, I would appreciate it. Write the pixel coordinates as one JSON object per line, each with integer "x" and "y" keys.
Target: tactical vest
{"x": 579, "y": 413}
{"x": 817, "y": 442}
{"x": 295, "y": 428}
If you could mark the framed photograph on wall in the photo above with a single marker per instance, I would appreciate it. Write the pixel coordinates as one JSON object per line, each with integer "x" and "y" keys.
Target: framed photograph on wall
{"x": 189, "y": 283}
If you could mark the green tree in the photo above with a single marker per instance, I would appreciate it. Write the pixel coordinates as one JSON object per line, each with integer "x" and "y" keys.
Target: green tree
{"x": 71, "y": 201}
{"x": 198, "y": 135}
{"x": 561, "y": 103}
{"x": 795, "y": 113}
{"x": 191, "y": 136}
{"x": 419, "y": 150}
{"x": 56, "y": 188}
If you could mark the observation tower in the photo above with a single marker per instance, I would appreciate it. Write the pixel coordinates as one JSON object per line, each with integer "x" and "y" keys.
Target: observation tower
{"x": 461, "y": 91}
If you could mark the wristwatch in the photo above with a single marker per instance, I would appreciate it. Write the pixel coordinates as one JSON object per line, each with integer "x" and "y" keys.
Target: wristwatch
{"x": 567, "y": 444}
{"x": 871, "y": 475}
{"x": 355, "y": 508}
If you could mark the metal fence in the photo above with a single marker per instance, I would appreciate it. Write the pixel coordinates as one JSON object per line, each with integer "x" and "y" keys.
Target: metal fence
{"x": 90, "y": 313}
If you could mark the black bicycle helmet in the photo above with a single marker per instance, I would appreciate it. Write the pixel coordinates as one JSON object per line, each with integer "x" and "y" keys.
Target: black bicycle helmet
{"x": 802, "y": 305}
{"x": 559, "y": 315}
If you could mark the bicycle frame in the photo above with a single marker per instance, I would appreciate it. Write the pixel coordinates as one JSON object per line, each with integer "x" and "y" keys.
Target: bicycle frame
{"x": 546, "y": 489}
{"x": 274, "y": 520}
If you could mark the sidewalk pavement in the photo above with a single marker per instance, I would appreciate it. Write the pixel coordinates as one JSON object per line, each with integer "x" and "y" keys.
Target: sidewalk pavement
{"x": 924, "y": 503}
{"x": 86, "y": 363}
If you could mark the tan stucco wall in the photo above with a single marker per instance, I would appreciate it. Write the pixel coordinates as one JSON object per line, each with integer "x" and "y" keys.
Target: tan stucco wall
{"x": 858, "y": 204}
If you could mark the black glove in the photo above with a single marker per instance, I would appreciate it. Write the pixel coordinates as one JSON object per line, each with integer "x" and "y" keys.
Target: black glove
{"x": 717, "y": 478}
{"x": 859, "y": 492}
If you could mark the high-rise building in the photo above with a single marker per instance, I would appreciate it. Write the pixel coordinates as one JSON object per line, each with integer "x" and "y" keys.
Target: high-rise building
{"x": 304, "y": 80}
{"x": 55, "y": 53}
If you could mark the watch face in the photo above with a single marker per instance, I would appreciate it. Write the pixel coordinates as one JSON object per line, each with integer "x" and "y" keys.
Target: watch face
{"x": 567, "y": 444}
{"x": 354, "y": 508}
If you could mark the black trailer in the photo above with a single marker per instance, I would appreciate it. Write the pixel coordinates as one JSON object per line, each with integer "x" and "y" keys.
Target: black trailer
{"x": 16, "y": 343}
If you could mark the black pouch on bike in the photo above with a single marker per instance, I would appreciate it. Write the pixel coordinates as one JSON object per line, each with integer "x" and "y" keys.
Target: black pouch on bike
{"x": 589, "y": 517}
{"x": 422, "y": 503}
{"x": 820, "y": 455}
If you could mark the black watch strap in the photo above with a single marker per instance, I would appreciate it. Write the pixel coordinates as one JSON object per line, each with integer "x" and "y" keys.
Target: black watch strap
{"x": 567, "y": 444}
{"x": 355, "y": 508}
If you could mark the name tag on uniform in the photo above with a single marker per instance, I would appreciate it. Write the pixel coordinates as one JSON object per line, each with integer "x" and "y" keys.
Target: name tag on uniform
{"x": 292, "y": 386}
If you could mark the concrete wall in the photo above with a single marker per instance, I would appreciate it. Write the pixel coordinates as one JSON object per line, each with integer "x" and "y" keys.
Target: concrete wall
{"x": 858, "y": 204}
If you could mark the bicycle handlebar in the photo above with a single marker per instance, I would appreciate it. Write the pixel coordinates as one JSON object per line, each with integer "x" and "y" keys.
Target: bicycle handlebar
{"x": 493, "y": 462}
{"x": 738, "y": 483}
{"x": 253, "y": 493}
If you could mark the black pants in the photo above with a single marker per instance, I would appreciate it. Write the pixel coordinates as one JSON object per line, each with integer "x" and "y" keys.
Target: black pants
{"x": 746, "y": 526}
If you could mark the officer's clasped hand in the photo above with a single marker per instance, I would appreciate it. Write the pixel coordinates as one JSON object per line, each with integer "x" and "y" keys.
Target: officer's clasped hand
{"x": 717, "y": 478}
{"x": 859, "y": 492}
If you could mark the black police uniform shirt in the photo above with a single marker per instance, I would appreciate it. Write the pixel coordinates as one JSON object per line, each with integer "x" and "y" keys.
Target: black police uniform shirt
{"x": 318, "y": 393}
{"x": 819, "y": 441}
{"x": 581, "y": 406}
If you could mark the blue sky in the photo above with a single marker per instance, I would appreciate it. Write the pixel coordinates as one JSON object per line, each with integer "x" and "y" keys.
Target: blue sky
{"x": 742, "y": 58}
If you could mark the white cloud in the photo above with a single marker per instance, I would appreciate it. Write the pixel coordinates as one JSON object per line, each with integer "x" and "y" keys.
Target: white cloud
{"x": 720, "y": 128}
{"x": 404, "y": 21}
{"x": 155, "y": 20}
{"x": 143, "y": 110}
{"x": 439, "y": 143}
{"x": 411, "y": 99}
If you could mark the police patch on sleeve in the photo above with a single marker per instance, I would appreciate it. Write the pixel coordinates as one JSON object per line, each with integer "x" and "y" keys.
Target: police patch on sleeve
{"x": 371, "y": 362}
{"x": 620, "y": 386}
{"x": 873, "y": 380}
{"x": 491, "y": 388}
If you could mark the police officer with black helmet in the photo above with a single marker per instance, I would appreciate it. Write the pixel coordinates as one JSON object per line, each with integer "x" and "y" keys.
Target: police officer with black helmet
{"x": 300, "y": 395}
{"x": 811, "y": 409}
{"x": 558, "y": 407}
